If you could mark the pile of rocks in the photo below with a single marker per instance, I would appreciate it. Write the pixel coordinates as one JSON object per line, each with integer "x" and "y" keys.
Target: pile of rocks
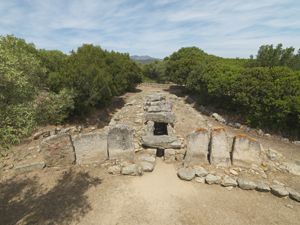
{"x": 201, "y": 175}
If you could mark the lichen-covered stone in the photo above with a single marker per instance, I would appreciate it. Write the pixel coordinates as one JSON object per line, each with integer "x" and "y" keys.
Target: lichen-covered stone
{"x": 219, "y": 151}
{"x": 90, "y": 148}
{"x": 120, "y": 143}
{"x": 197, "y": 148}
{"x": 246, "y": 151}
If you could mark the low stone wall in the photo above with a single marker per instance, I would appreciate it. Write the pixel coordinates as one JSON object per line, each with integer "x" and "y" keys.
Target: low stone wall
{"x": 214, "y": 147}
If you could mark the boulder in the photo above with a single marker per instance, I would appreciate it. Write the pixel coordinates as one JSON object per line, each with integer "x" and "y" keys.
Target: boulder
{"x": 246, "y": 184}
{"x": 246, "y": 151}
{"x": 197, "y": 147}
{"x": 147, "y": 158}
{"x": 147, "y": 166}
{"x": 273, "y": 155}
{"x": 219, "y": 151}
{"x": 161, "y": 141}
{"x": 186, "y": 173}
{"x": 262, "y": 186}
{"x": 200, "y": 171}
{"x": 58, "y": 150}
{"x": 120, "y": 143}
{"x": 279, "y": 190}
{"x": 218, "y": 117}
{"x": 293, "y": 194}
{"x": 229, "y": 182}
{"x": 90, "y": 148}
{"x": 160, "y": 117}
{"x": 132, "y": 169}
{"x": 116, "y": 169}
{"x": 293, "y": 168}
{"x": 213, "y": 179}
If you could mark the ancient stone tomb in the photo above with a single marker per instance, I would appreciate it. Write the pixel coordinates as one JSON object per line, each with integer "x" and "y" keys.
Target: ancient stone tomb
{"x": 159, "y": 122}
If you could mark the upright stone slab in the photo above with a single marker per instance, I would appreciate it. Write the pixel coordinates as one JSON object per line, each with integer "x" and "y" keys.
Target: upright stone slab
{"x": 197, "y": 147}
{"x": 120, "y": 143}
{"x": 90, "y": 148}
{"x": 246, "y": 151}
{"x": 219, "y": 151}
{"x": 58, "y": 150}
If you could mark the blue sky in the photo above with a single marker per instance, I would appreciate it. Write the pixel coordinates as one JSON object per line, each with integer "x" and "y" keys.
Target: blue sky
{"x": 228, "y": 28}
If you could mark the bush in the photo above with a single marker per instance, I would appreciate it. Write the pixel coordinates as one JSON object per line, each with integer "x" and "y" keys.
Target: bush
{"x": 54, "y": 108}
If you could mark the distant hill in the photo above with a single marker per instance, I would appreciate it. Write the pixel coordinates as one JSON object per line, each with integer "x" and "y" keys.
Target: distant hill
{"x": 143, "y": 59}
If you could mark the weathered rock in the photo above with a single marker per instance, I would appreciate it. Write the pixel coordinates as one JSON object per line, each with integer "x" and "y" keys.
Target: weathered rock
{"x": 200, "y": 180}
{"x": 90, "y": 148}
{"x": 116, "y": 169}
{"x": 293, "y": 194}
{"x": 29, "y": 167}
{"x": 218, "y": 117}
{"x": 132, "y": 169}
{"x": 161, "y": 141}
{"x": 245, "y": 151}
{"x": 228, "y": 181}
{"x": 296, "y": 142}
{"x": 147, "y": 166}
{"x": 213, "y": 179}
{"x": 186, "y": 173}
{"x": 161, "y": 117}
{"x": 219, "y": 151}
{"x": 233, "y": 172}
{"x": 200, "y": 171}
{"x": 155, "y": 97}
{"x": 58, "y": 150}
{"x": 147, "y": 158}
{"x": 273, "y": 154}
{"x": 293, "y": 168}
{"x": 279, "y": 190}
{"x": 197, "y": 147}
{"x": 120, "y": 143}
{"x": 262, "y": 186}
{"x": 246, "y": 184}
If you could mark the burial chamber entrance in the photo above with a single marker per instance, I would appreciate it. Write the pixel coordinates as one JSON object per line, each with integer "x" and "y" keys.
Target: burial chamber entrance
{"x": 160, "y": 128}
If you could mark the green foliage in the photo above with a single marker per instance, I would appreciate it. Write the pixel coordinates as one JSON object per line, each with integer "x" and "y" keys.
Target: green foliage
{"x": 40, "y": 87}
{"x": 265, "y": 96}
{"x": 155, "y": 71}
{"x": 52, "y": 108}
{"x": 268, "y": 56}
{"x": 180, "y": 64}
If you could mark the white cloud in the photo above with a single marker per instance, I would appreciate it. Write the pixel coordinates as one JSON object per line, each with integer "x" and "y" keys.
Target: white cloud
{"x": 227, "y": 28}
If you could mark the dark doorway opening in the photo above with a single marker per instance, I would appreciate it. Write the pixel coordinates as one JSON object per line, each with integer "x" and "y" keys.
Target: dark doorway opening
{"x": 160, "y": 128}
{"x": 160, "y": 152}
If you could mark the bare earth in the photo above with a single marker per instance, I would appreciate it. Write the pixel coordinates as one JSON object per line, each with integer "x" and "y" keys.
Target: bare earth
{"x": 88, "y": 195}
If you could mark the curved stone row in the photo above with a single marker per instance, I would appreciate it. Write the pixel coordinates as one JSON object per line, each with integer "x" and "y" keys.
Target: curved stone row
{"x": 201, "y": 175}
{"x": 205, "y": 146}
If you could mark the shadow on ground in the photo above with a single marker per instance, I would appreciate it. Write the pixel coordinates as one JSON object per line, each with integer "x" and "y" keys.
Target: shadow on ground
{"x": 25, "y": 201}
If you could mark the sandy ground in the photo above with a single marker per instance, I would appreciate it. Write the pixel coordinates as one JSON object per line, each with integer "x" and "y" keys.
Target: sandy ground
{"x": 88, "y": 195}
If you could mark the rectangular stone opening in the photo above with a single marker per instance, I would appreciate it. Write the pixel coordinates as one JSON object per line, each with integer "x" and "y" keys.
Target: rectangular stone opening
{"x": 160, "y": 152}
{"x": 160, "y": 128}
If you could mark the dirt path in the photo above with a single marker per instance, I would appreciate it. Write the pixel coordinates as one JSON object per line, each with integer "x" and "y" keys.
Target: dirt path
{"x": 160, "y": 198}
